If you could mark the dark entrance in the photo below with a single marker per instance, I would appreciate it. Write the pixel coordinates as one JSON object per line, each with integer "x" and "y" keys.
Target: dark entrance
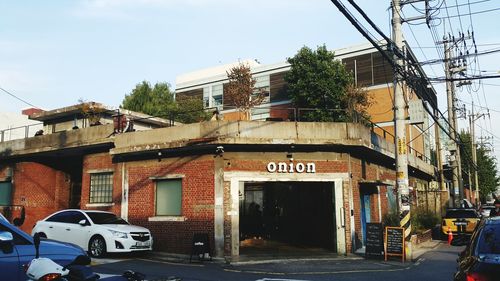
{"x": 299, "y": 214}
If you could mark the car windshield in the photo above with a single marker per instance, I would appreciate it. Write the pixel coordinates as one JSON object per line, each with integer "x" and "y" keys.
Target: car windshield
{"x": 450, "y": 214}
{"x": 105, "y": 218}
{"x": 489, "y": 242}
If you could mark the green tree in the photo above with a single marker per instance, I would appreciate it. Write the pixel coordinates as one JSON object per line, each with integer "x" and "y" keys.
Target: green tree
{"x": 155, "y": 101}
{"x": 486, "y": 164}
{"x": 318, "y": 81}
{"x": 159, "y": 101}
{"x": 240, "y": 91}
{"x": 487, "y": 173}
{"x": 190, "y": 110}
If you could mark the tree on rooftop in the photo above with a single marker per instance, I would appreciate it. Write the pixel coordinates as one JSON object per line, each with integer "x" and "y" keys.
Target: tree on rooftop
{"x": 240, "y": 91}
{"x": 155, "y": 101}
{"x": 159, "y": 101}
{"x": 323, "y": 86}
{"x": 190, "y": 110}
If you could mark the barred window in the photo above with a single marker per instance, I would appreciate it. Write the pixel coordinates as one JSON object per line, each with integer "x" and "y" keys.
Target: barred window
{"x": 101, "y": 188}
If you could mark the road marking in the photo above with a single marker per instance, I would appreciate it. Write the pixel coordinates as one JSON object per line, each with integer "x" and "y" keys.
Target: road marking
{"x": 104, "y": 261}
{"x": 254, "y": 272}
{"x": 420, "y": 260}
{"x": 318, "y": 272}
{"x": 274, "y": 279}
{"x": 173, "y": 263}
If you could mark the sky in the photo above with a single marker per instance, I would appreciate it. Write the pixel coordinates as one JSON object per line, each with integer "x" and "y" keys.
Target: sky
{"x": 56, "y": 52}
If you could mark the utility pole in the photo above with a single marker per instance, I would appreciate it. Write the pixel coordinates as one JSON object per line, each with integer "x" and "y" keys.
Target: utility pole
{"x": 402, "y": 181}
{"x": 472, "y": 119}
{"x": 439, "y": 160}
{"x": 452, "y": 120}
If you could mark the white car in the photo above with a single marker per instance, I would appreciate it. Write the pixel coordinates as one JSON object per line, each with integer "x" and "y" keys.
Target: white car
{"x": 95, "y": 231}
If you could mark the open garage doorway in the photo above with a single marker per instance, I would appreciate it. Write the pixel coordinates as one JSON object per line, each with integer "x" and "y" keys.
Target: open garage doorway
{"x": 295, "y": 217}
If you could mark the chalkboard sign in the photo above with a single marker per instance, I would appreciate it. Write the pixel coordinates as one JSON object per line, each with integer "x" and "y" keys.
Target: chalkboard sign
{"x": 395, "y": 242}
{"x": 200, "y": 246}
{"x": 374, "y": 240}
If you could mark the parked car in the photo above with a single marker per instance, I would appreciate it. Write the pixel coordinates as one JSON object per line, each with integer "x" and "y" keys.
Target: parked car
{"x": 486, "y": 209}
{"x": 95, "y": 231}
{"x": 481, "y": 258}
{"x": 460, "y": 221}
{"x": 17, "y": 250}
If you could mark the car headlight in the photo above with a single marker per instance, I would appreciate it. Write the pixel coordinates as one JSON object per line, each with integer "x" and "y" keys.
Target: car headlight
{"x": 118, "y": 234}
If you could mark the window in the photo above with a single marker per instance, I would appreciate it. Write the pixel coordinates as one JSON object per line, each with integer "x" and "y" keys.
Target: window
{"x": 101, "y": 188}
{"x": 75, "y": 217}
{"x": 262, "y": 84}
{"x": 489, "y": 240}
{"x": 105, "y": 218}
{"x": 458, "y": 213}
{"x": 169, "y": 197}
{"x": 5, "y": 193}
{"x": 59, "y": 217}
{"x": 18, "y": 239}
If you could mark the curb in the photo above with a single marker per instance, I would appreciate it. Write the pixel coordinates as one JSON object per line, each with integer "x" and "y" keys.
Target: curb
{"x": 285, "y": 260}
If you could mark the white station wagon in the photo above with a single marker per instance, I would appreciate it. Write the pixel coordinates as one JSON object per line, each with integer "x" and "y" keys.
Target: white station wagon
{"x": 95, "y": 231}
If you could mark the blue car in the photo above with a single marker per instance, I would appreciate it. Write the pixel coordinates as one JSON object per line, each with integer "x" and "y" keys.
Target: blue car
{"x": 17, "y": 250}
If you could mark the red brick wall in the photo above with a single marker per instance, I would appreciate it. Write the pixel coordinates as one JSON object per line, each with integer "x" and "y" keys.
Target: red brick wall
{"x": 197, "y": 200}
{"x": 41, "y": 189}
{"x": 384, "y": 200}
{"x": 372, "y": 173}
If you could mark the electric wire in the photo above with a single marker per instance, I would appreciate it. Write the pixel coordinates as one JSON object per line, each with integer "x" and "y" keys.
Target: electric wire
{"x": 18, "y": 98}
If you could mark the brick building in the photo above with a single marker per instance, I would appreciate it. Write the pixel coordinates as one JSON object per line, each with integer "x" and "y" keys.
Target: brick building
{"x": 298, "y": 183}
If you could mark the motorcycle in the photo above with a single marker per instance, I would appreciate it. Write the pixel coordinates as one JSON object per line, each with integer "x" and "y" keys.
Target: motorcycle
{"x": 45, "y": 269}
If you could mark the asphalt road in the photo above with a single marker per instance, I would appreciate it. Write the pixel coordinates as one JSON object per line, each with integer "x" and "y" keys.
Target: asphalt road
{"x": 437, "y": 264}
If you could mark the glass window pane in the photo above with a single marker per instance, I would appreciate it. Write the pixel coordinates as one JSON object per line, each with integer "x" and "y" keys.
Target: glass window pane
{"x": 101, "y": 188}
{"x": 5, "y": 193}
{"x": 169, "y": 198}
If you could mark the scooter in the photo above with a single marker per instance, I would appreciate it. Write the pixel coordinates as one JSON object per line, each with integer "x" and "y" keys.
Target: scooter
{"x": 45, "y": 269}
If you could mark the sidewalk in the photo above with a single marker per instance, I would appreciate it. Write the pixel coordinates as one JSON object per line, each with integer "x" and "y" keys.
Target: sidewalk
{"x": 331, "y": 259}
{"x": 424, "y": 248}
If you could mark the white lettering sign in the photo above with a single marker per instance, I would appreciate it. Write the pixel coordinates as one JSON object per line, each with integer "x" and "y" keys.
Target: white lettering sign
{"x": 282, "y": 167}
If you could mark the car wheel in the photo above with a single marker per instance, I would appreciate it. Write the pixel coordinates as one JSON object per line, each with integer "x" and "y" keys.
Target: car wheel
{"x": 42, "y": 235}
{"x": 97, "y": 247}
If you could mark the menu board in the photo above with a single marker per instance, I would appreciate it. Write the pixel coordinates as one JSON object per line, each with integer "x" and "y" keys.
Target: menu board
{"x": 394, "y": 242}
{"x": 374, "y": 240}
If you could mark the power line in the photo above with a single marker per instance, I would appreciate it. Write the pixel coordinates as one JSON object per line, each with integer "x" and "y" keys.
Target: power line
{"x": 473, "y": 13}
{"x": 479, "y": 45}
{"x": 482, "y": 107}
{"x": 493, "y": 135}
{"x": 465, "y": 78}
{"x": 463, "y": 56}
{"x": 18, "y": 98}
{"x": 459, "y": 17}
{"x": 414, "y": 76}
{"x": 469, "y": 3}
